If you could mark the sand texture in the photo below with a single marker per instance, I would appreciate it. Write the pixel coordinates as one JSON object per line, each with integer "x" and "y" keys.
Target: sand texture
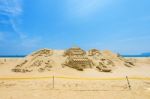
{"x": 47, "y": 63}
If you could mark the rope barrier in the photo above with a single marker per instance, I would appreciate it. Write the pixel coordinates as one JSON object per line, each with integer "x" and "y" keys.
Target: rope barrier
{"x": 25, "y": 78}
{"x": 80, "y": 78}
{"x": 139, "y": 78}
{"x": 76, "y": 78}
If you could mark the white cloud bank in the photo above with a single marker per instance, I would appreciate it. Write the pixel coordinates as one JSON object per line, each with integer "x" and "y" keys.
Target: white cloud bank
{"x": 12, "y": 9}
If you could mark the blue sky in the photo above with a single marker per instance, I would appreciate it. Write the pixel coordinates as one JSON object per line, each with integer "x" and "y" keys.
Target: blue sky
{"x": 122, "y": 26}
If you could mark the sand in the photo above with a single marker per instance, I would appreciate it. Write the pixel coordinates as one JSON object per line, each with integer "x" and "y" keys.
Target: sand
{"x": 74, "y": 88}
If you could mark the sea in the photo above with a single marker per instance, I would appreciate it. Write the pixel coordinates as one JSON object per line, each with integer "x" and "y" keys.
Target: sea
{"x": 12, "y": 56}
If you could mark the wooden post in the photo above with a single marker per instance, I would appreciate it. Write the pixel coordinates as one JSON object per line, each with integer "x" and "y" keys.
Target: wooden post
{"x": 4, "y": 60}
{"x": 53, "y": 82}
{"x": 128, "y": 82}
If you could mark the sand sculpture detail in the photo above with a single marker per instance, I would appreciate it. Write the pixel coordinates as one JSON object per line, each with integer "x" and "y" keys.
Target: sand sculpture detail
{"x": 93, "y": 52}
{"x": 104, "y": 64}
{"x": 77, "y": 59}
{"x": 128, "y": 62}
{"x": 38, "y": 61}
{"x": 106, "y": 60}
{"x": 75, "y": 51}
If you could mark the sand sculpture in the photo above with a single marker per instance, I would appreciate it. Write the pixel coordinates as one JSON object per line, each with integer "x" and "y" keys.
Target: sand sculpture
{"x": 77, "y": 59}
{"x": 104, "y": 63}
{"x": 43, "y": 60}
{"x": 128, "y": 62}
{"x": 38, "y": 61}
{"x": 93, "y": 52}
{"x": 107, "y": 59}
{"x": 75, "y": 51}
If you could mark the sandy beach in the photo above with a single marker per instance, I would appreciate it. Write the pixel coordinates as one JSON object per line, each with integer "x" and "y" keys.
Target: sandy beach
{"x": 74, "y": 49}
{"x": 71, "y": 83}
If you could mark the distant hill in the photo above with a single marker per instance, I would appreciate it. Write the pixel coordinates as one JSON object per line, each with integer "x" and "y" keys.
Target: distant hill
{"x": 146, "y": 54}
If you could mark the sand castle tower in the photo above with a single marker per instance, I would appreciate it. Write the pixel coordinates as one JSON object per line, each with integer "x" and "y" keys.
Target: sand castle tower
{"x": 74, "y": 51}
{"x": 77, "y": 58}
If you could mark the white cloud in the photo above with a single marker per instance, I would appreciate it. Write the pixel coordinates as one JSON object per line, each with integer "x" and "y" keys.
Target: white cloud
{"x": 12, "y": 9}
{"x": 15, "y": 28}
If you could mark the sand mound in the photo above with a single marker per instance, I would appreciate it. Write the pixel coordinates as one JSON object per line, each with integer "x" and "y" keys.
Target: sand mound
{"x": 105, "y": 60}
{"x": 43, "y": 60}
{"x": 37, "y": 61}
{"x": 109, "y": 54}
{"x": 42, "y": 52}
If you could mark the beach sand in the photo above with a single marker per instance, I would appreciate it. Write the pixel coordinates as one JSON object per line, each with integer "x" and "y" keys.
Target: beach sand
{"x": 78, "y": 88}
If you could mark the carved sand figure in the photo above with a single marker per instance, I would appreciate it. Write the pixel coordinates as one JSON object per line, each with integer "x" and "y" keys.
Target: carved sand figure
{"x": 76, "y": 58}
{"x": 127, "y": 62}
{"x": 38, "y": 61}
{"x": 107, "y": 59}
{"x": 93, "y": 52}
{"x": 75, "y": 51}
{"x": 104, "y": 63}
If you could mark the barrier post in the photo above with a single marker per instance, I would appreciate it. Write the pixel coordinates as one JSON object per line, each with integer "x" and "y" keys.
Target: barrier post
{"x": 53, "y": 82}
{"x": 128, "y": 82}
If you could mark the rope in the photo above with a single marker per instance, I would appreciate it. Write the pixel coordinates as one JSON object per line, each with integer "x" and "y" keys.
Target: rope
{"x": 76, "y": 78}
